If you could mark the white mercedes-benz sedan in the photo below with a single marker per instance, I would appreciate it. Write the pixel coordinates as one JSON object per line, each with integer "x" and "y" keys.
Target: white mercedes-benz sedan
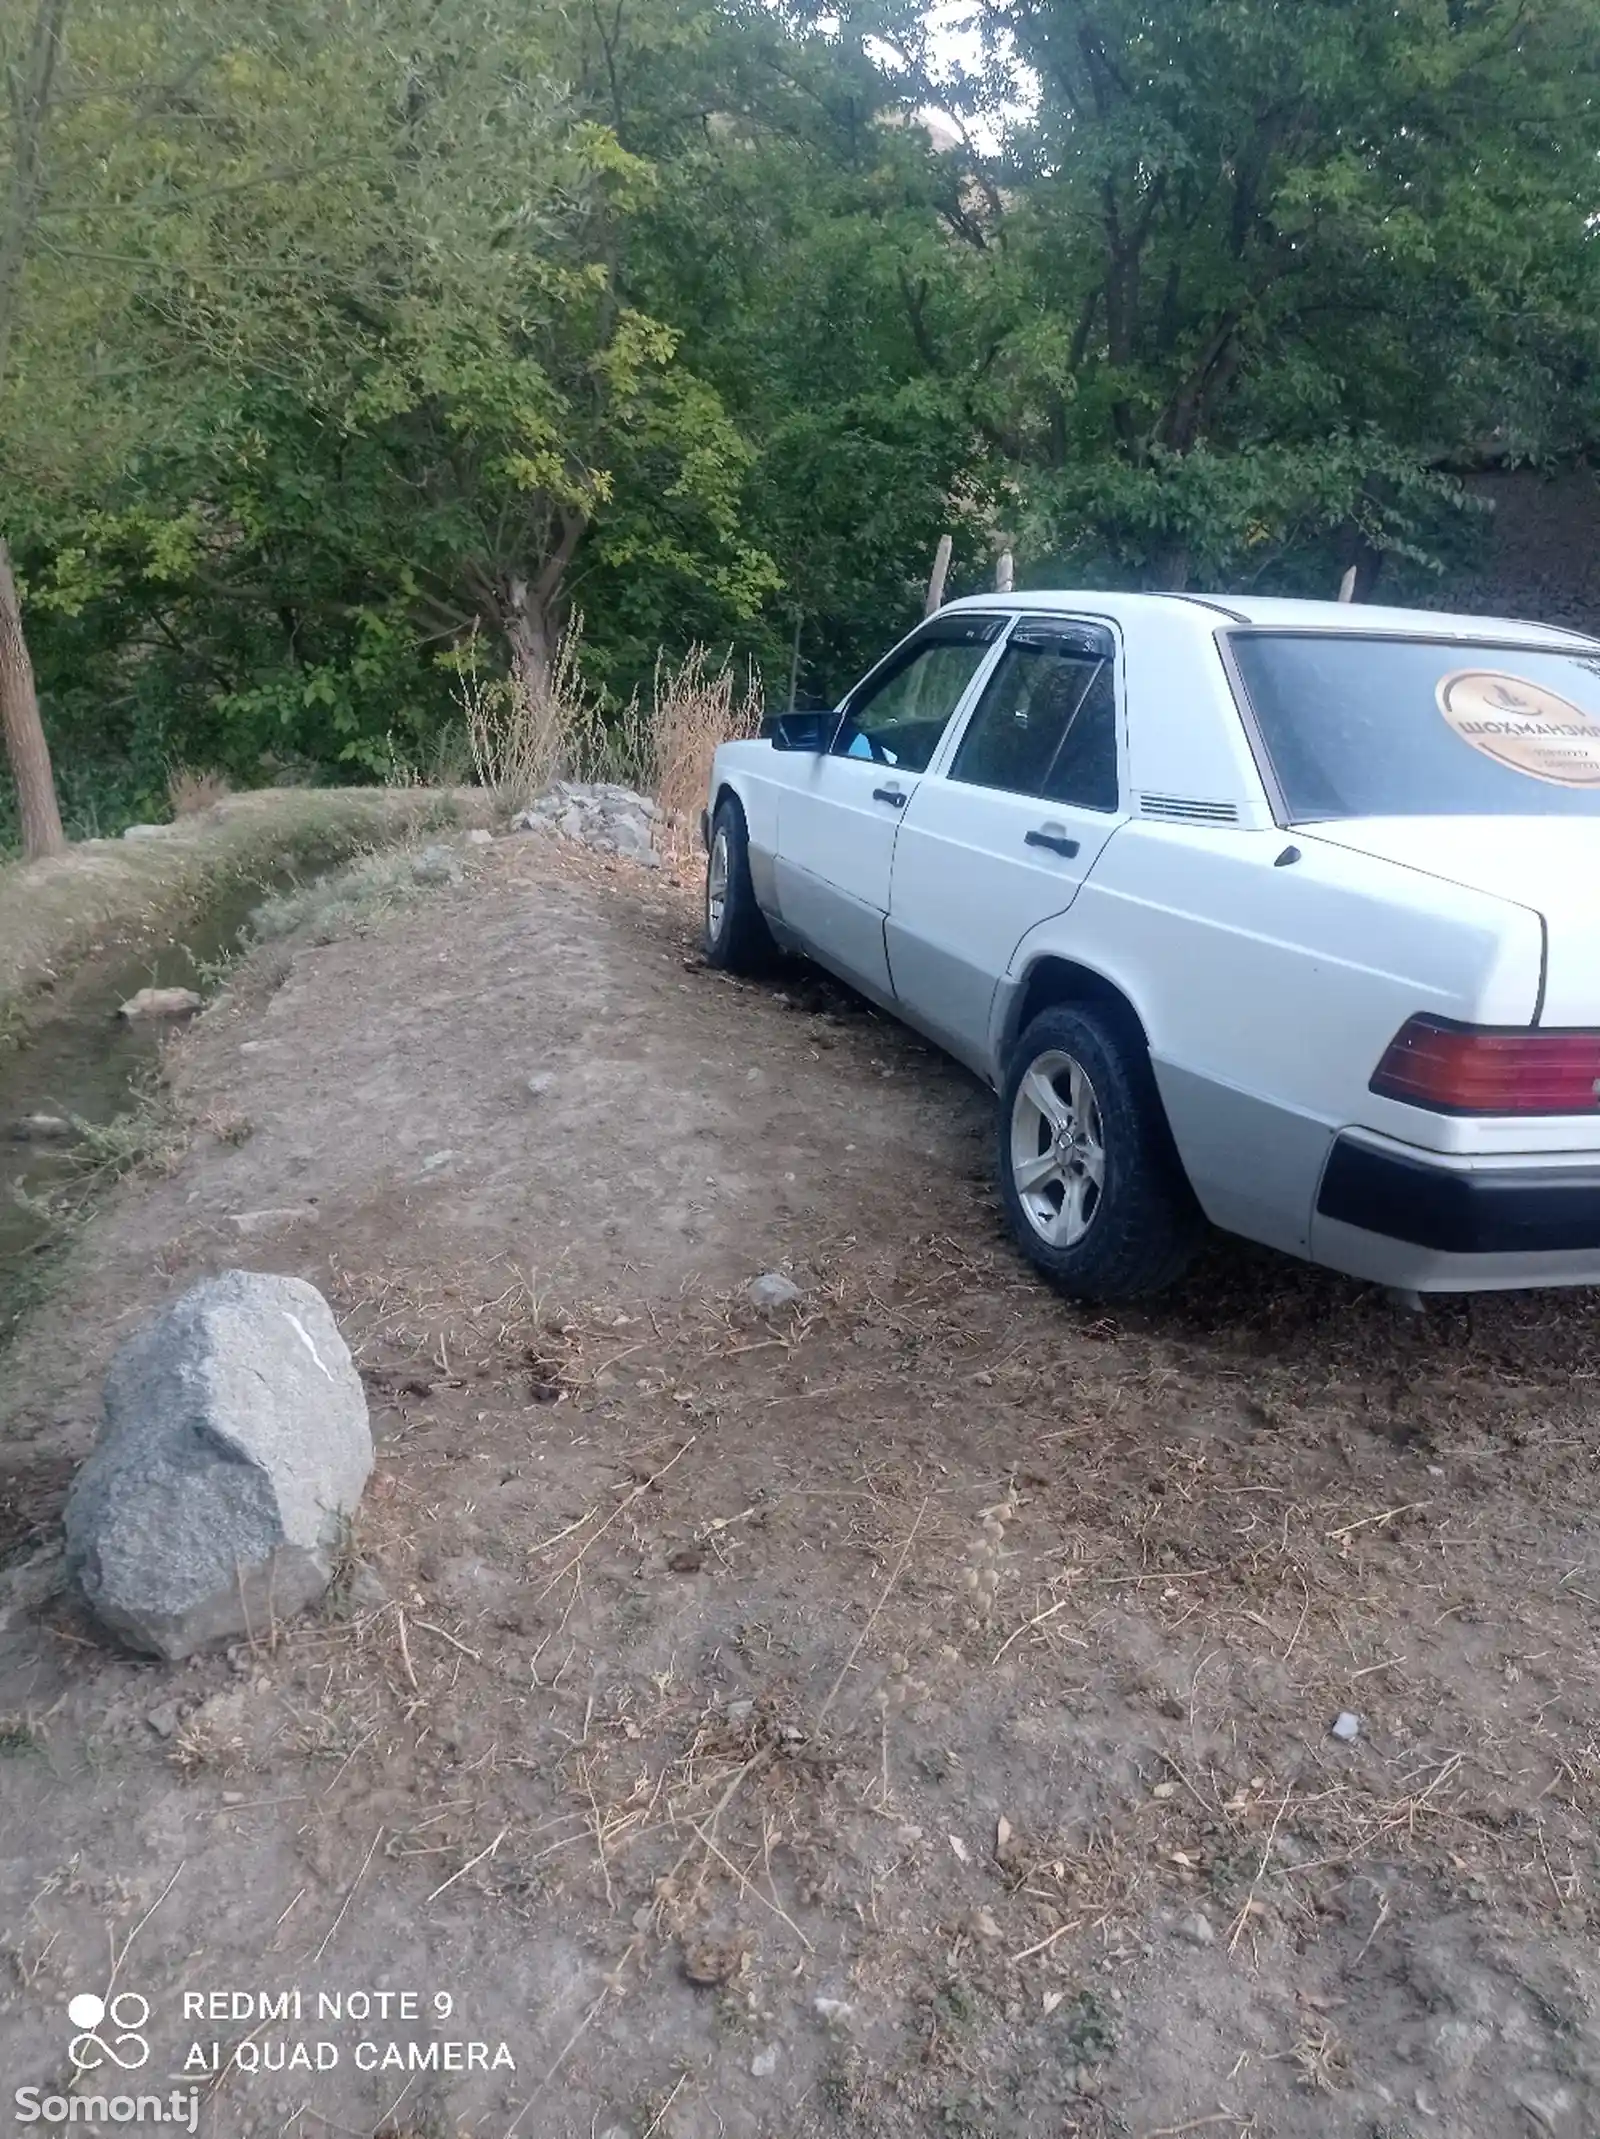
{"x": 1283, "y": 915}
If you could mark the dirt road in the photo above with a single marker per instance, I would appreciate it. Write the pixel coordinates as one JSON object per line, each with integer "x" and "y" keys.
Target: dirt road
{"x": 907, "y": 1712}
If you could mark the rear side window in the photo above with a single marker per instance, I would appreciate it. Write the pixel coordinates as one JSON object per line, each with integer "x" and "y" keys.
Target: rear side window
{"x": 1359, "y": 726}
{"x": 1047, "y": 722}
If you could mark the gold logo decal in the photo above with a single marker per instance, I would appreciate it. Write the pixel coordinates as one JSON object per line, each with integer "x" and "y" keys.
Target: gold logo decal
{"x": 1522, "y": 724}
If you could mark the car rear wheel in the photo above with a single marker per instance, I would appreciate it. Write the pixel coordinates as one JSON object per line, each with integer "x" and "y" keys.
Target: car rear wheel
{"x": 1090, "y": 1181}
{"x": 737, "y": 939}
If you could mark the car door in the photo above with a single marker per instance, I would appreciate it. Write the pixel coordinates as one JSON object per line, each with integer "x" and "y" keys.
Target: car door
{"x": 1003, "y": 838}
{"x": 839, "y": 812}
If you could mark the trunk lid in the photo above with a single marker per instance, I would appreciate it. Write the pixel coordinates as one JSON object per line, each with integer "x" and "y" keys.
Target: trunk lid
{"x": 1549, "y": 864}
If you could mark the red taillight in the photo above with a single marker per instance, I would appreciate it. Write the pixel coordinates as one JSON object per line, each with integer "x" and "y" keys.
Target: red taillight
{"x": 1462, "y": 1069}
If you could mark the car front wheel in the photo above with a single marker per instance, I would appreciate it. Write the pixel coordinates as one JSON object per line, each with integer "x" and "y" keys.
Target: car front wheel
{"x": 1090, "y": 1181}
{"x": 737, "y": 939}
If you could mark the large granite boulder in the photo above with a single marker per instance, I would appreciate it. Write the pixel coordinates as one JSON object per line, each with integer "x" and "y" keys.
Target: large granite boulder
{"x": 235, "y": 1449}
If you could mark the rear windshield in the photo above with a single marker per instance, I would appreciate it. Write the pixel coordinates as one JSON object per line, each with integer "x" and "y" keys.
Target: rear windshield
{"x": 1374, "y": 727}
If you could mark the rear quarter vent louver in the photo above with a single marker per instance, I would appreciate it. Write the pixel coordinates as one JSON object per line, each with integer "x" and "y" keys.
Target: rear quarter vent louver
{"x": 1185, "y": 809}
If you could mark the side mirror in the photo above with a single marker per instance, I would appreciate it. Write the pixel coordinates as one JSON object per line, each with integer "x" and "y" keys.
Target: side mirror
{"x": 801, "y": 731}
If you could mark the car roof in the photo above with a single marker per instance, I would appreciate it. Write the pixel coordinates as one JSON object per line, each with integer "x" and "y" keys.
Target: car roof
{"x": 1273, "y": 611}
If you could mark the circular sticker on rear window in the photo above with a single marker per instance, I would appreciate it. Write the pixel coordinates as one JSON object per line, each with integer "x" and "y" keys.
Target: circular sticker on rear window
{"x": 1524, "y": 725}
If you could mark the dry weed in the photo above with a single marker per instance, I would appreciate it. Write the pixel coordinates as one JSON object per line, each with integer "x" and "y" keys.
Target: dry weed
{"x": 981, "y": 1577}
{"x": 694, "y": 708}
{"x": 522, "y": 739}
{"x": 203, "y": 1745}
{"x": 515, "y": 735}
{"x": 189, "y": 792}
{"x": 522, "y": 736}
{"x": 227, "y": 1125}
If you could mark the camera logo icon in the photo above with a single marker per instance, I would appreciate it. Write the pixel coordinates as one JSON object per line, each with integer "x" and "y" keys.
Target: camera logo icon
{"x": 123, "y": 2044}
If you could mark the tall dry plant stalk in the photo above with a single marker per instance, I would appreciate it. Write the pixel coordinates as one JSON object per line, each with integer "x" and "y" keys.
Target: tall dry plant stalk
{"x": 521, "y": 737}
{"x": 189, "y": 792}
{"x": 694, "y": 707}
{"x": 522, "y": 740}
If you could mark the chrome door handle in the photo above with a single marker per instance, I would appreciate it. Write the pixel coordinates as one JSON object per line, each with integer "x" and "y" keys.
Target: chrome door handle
{"x": 890, "y": 795}
{"x": 1057, "y": 841}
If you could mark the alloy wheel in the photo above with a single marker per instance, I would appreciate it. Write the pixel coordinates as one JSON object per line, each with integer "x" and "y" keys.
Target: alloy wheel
{"x": 1058, "y": 1157}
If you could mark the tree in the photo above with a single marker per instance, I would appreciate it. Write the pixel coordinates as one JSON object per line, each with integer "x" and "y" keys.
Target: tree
{"x": 798, "y": 236}
{"x": 30, "y": 82}
{"x": 1293, "y": 258}
{"x": 1261, "y": 275}
{"x": 414, "y": 405}
{"x": 439, "y": 305}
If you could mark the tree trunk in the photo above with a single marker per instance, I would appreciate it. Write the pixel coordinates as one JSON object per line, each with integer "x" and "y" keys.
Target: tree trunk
{"x": 1169, "y": 567}
{"x": 26, "y": 748}
{"x": 530, "y": 638}
{"x": 32, "y": 93}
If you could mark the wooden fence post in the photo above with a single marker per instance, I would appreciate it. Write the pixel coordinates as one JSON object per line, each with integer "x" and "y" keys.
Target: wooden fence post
{"x": 939, "y": 574}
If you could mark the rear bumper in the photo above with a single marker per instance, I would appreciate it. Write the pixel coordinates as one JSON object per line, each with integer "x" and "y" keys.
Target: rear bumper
{"x": 1446, "y": 1225}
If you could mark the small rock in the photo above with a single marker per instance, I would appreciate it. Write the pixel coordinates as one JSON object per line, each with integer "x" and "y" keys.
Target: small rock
{"x": 161, "y": 1003}
{"x": 478, "y": 837}
{"x": 765, "y": 2062}
{"x": 28, "y": 1583}
{"x": 772, "y": 1290}
{"x": 835, "y": 2011}
{"x": 1346, "y": 1726}
{"x": 537, "y": 1086}
{"x": 631, "y": 836}
{"x": 366, "y": 1590}
{"x": 437, "y": 865}
{"x": 146, "y": 831}
{"x": 739, "y": 1711}
{"x": 249, "y": 1222}
{"x": 982, "y": 1925}
{"x": 1197, "y": 1930}
{"x": 435, "y": 1160}
{"x": 1548, "y": 2103}
{"x": 709, "y": 1962}
{"x": 602, "y": 816}
{"x": 164, "y": 1720}
{"x": 41, "y": 1128}
{"x": 223, "y": 1714}
{"x": 616, "y": 2131}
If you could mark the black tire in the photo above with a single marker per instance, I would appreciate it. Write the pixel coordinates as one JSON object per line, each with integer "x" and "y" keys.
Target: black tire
{"x": 740, "y": 942}
{"x": 1140, "y": 1224}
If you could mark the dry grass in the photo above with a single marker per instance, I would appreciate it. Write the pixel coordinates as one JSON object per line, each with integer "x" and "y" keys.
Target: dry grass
{"x": 516, "y": 736}
{"x": 190, "y": 792}
{"x": 522, "y": 739}
{"x": 54, "y": 913}
{"x": 344, "y": 902}
{"x": 696, "y": 707}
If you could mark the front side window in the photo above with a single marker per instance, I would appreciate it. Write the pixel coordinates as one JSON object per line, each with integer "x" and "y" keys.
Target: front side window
{"x": 1047, "y": 722}
{"x": 897, "y": 717}
{"x": 1363, "y": 726}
